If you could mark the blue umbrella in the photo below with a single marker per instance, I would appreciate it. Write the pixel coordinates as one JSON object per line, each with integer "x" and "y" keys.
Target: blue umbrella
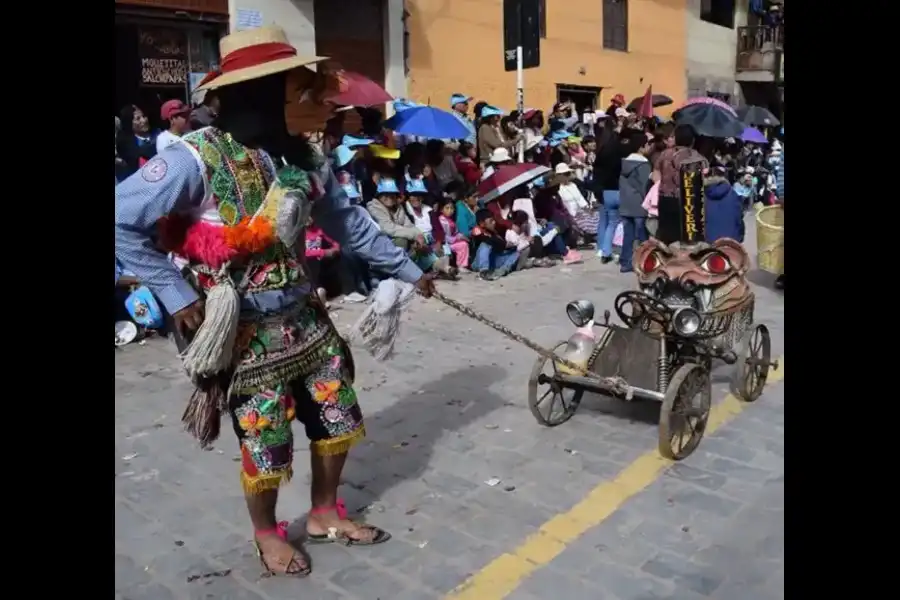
{"x": 752, "y": 134}
{"x": 429, "y": 122}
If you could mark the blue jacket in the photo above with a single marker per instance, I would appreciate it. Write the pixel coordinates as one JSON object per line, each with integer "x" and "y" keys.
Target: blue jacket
{"x": 724, "y": 211}
{"x": 465, "y": 219}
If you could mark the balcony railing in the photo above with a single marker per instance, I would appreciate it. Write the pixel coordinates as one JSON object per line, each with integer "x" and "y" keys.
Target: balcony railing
{"x": 760, "y": 48}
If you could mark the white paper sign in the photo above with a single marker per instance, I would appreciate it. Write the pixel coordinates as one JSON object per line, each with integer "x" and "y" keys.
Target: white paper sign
{"x": 248, "y": 19}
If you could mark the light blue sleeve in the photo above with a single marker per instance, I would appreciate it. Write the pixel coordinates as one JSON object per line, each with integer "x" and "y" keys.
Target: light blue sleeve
{"x": 170, "y": 182}
{"x": 353, "y": 228}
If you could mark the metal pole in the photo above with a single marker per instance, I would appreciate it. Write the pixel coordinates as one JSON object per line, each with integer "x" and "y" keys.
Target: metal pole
{"x": 520, "y": 97}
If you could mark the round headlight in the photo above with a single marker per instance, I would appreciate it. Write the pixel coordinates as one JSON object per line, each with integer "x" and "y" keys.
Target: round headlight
{"x": 686, "y": 321}
{"x": 580, "y": 312}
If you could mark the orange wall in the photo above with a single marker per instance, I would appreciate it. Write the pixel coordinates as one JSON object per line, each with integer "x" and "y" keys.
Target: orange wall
{"x": 457, "y": 46}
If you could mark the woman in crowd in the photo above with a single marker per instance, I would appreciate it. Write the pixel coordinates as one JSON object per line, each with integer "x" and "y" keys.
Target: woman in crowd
{"x": 491, "y": 136}
{"x": 663, "y": 138}
{"x": 533, "y": 133}
{"x": 607, "y": 168}
{"x": 466, "y": 165}
{"x": 499, "y": 157}
{"x": 135, "y": 143}
{"x": 584, "y": 220}
{"x": 667, "y": 172}
{"x": 466, "y": 205}
{"x": 418, "y": 211}
{"x": 443, "y": 168}
{"x": 634, "y": 183}
{"x": 388, "y": 212}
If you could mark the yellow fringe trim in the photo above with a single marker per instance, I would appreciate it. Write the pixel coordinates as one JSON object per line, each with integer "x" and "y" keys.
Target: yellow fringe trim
{"x": 263, "y": 483}
{"x": 338, "y": 445}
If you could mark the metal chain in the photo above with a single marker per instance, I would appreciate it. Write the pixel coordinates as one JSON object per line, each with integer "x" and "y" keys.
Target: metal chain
{"x": 615, "y": 384}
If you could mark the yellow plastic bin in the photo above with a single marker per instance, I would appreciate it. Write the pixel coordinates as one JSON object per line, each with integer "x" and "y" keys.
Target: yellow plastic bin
{"x": 770, "y": 239}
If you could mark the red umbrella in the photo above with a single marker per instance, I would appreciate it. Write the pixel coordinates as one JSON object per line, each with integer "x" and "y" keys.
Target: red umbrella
{"x": 361, "y": 91}
{"x": 507, "y": 178}
{"x": 709, "y": 100}
{"x": 646, "y": 108}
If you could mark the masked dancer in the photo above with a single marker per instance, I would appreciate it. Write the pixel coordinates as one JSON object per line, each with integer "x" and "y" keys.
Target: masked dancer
{"x": 232, "y": 200}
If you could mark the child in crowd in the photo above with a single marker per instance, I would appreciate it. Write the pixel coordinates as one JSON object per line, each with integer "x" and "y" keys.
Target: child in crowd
{"x": 319, "y": 249}
{"x": 494, "y": 257}
{"x": 446, "y": 233}
{"x": 589, "y": 143}
{"x": 418, "y": 211}
{"x": 342, "y": 163}
{"x": 530, "y": 247}
{"x": 744, "y": 187}
{"x": 724, "y": 208}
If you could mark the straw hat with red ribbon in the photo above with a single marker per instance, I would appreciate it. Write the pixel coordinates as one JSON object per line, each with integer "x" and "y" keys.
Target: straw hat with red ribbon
{"x": 252, "y": 54}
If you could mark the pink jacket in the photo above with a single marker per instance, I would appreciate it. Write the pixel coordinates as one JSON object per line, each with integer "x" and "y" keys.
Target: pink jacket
{"x": 315, "y": 240}
{"x": 651, "y": 201}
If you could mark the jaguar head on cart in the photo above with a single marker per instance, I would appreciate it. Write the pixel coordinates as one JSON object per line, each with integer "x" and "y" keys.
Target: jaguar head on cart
{"x": 693, "y": 306}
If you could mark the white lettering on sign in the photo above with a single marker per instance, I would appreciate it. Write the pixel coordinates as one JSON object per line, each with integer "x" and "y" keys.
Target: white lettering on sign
{"x": 163, "y": 71}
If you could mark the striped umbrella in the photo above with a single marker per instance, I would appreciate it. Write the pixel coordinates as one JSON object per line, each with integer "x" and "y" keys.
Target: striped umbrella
{"x": 507, "y": 178}
{"x": 709, "y": 100}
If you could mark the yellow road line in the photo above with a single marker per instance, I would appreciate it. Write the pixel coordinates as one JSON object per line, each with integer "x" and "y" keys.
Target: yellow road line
{"x": 504, "y": 574}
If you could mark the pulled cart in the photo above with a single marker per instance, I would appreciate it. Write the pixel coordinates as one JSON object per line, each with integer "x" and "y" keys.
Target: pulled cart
{"x": 671, "y": 331}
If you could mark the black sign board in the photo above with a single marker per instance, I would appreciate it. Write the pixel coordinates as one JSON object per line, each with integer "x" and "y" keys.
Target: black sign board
{"x": 521, "y": 26}
{"x": 163, "y": 56}
{"x": 693, "y": 208}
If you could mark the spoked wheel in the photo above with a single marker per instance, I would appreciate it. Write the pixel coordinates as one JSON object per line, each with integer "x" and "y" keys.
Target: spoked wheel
{"x": 550, "y": 403}
{"x": 684, "y": 411}
{"x": 752, "y": 367}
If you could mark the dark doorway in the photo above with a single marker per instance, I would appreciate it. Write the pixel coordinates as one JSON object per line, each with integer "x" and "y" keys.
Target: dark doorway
{"x": 198, "y": 46}
{"x": 585, "y": 97}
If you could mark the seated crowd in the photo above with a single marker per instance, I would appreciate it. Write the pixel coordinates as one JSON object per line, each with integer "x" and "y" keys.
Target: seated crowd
{"x": 423, "y": 193}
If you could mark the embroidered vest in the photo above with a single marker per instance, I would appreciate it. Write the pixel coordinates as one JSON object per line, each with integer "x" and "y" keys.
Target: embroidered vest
{"x": 237, "y": 181}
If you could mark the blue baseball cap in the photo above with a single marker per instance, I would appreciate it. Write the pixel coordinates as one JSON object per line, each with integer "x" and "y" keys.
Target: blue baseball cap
{"x": 416, "y": 186}
{"x": 342, "y": 155}
{"x": 387, "y": 186}
{"x": 490, "y": 111}
{"x": 354, "y": 142}
{"x": 351, "y": 190}
{"x": 401, "y": 104}
{"x": 459, "y": 99}
{"x": 143, "y": 308}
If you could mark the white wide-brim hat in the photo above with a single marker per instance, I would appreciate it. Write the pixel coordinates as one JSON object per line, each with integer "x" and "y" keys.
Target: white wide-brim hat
{"x": 500, "y": 155}
{"x": 252, "y": 54}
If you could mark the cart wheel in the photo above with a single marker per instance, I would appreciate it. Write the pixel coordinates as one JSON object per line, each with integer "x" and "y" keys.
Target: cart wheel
{"x": 752, "y": 367}
{"x": 684, "y": 411}
{"x": 551, "y": 404}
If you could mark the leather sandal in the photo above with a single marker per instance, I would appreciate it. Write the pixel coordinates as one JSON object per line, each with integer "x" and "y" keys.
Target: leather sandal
{"x": 297, "y": 566}
{"x": 335, "y": 535}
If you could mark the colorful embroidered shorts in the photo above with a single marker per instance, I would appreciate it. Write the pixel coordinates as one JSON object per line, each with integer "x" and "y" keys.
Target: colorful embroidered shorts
{"x": 291, "y": 367}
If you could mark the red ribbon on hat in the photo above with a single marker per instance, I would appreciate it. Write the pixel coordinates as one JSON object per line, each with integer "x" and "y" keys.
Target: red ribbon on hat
{"x": 251, "y": 56}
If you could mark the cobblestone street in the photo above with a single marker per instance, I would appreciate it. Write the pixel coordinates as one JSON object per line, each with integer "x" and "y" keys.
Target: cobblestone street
{"x": 446, "y": 414}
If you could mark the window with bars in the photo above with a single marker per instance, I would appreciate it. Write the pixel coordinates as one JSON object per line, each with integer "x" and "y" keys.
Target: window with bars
{"x": 615, "y": 25}
{"x": 718, "y": 12}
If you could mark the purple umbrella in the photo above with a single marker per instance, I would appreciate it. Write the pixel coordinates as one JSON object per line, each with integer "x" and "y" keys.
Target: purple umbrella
{"x": 754, "y": 135}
